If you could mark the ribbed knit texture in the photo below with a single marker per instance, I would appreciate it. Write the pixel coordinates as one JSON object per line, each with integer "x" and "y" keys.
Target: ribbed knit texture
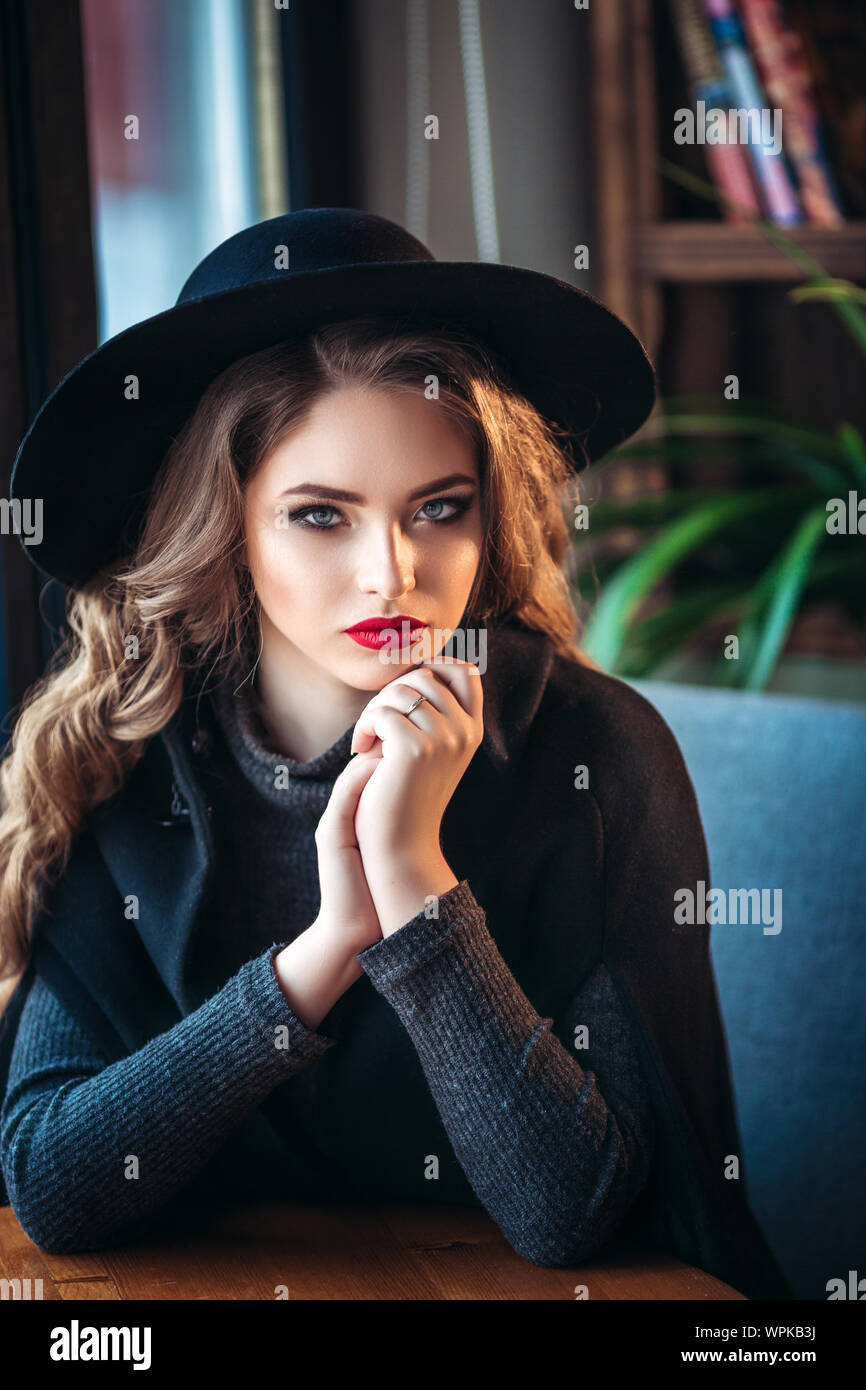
{"x": 71, "y": 1125}
{"x": 555, "y": 1151}
{"x": 266, "y": 807}
{"x": 555, "y": 1154}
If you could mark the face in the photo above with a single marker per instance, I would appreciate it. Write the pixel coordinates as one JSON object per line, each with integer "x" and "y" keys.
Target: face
{"x": 370, "y": 509}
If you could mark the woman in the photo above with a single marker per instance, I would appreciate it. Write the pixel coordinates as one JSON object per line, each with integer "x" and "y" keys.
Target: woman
{"x": 333, "y": 912}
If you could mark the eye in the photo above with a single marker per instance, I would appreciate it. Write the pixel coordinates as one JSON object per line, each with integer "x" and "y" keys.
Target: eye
{"x": 300, "y": 516}
{"x": 459, "y": 505}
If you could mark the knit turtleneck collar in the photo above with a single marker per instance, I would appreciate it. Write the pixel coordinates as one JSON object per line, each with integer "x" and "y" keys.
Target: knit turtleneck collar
{"x": 519, "y": 664}
{"x": 271, "y": 771}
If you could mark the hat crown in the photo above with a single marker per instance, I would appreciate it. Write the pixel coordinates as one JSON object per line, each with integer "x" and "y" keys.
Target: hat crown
{"x": 280, "y": 280}
{"x": 296, "y": 243}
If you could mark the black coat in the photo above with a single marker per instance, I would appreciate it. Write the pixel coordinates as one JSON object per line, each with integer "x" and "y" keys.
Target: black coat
{"x": 568, "y": 877}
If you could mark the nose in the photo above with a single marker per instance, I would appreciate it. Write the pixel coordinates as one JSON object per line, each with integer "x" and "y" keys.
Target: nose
{"x": 388, "y": 566}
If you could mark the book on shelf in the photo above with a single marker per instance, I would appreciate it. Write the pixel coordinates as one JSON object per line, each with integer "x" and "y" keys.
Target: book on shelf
{"x": 729, "y": 165}
{"x": 833, "y": 35}
{"x": 781, "y": 61}
{"x": 768, "y": 161}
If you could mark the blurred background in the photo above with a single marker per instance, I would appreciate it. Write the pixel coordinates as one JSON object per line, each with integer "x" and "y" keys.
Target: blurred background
{"x": 138, "y": 134}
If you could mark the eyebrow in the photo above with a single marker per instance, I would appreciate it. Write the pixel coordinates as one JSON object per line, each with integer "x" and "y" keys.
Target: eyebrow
{"x": 340, "y": 494}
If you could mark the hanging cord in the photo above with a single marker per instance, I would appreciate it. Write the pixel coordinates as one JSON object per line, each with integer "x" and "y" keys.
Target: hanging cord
{"x": 417, "y": 111}
{"x": 480, "y": 158}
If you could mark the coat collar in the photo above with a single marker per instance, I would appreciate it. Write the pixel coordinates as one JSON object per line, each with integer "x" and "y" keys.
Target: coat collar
{"x": 154, "y": 834}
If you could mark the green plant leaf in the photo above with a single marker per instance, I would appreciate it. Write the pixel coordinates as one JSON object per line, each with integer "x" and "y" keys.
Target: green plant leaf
{"x": 606, "y": 631}
{"x": 854, "y": 445}
{"x": 845, "y": 298}
{"x": 784, "y": 580}
{"x": 657, "y": 637}
{"x": 832, "y": 289}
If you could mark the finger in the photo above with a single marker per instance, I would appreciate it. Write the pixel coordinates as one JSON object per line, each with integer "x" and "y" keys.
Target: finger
{"x": 463, "y": 679}
{"x": 424, "y": 717}
{"x": 400, "y": 694}
{"x": 385, "y": 721}
{"x": 351, "y": 780}
{"x": 337, "y": 822}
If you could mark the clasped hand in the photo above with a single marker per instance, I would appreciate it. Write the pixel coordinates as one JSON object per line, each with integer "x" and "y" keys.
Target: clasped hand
{"x": 386, "y": 810}
{"x": 421, "y": 760}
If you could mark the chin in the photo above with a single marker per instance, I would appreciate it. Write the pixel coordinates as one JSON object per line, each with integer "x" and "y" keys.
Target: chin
{"x": 368, "y": 672}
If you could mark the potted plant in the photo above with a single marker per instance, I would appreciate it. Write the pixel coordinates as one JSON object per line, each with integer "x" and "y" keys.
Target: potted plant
{"x": 764, "y": 550}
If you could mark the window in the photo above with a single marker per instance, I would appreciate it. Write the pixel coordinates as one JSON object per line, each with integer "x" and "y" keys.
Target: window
{"x": 185, "y": 140}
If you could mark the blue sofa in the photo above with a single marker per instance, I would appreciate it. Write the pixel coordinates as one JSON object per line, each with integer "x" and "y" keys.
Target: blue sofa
{"x": 781, "y": 785}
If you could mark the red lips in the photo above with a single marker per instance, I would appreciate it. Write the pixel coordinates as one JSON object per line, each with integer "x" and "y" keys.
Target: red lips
{"x": 374, "y": 624}
{"x": 374, "y": 632}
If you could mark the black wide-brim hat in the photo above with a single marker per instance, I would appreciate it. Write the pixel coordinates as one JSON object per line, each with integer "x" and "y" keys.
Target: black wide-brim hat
{"x": 91, "y": 454}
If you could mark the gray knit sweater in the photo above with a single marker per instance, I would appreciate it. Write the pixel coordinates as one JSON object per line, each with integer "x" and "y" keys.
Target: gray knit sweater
{"x": 471, "y": 1096}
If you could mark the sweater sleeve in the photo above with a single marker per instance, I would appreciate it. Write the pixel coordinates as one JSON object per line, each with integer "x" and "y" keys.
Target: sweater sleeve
{"x": 555, "y": 1150}
{"x": 90, "y": 1150}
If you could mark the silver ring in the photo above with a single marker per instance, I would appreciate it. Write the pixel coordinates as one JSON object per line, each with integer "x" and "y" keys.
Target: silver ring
{"x": 414, "y": 705}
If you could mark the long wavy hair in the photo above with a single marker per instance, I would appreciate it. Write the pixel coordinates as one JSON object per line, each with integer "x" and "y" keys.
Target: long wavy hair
{"x": 184, "y": 599}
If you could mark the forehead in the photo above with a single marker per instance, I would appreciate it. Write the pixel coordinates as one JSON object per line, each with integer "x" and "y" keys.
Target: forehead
{"x": 385, "y": 438}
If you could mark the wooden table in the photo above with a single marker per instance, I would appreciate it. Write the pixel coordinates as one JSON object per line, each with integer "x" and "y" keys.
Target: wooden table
{"x": 281, "y": 1250}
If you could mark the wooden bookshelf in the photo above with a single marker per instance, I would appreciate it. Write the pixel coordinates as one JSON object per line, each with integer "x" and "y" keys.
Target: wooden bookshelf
{"x": 709, "y": 297}
{"x": 641, "y": 250}
{"x": 711, "y": 252}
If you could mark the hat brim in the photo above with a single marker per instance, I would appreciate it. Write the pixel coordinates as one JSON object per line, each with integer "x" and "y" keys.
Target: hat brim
{"x": 91, "y": 454}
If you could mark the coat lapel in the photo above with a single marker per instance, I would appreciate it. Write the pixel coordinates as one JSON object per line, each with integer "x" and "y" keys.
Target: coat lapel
{"x": 156, "y": 843}
{"x": 519, "y": 661}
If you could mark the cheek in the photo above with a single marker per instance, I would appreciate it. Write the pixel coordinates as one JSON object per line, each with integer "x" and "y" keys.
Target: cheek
{"x": 297, "y": 580}
{"x": 459, "y": 567}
